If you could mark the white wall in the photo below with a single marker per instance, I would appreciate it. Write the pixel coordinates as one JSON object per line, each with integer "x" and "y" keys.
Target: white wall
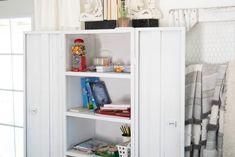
{"x": 16, "y": 8}
{"x": 166, "y": 5}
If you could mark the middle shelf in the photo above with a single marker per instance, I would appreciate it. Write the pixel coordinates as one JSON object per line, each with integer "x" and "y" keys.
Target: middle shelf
{"x": 92, "y": 115}
{"x": 101, "y": 75}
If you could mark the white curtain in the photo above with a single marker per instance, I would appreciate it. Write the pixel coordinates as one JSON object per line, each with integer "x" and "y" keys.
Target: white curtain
{"x": 183, "y": 18}
{"x": 56, "y": 15}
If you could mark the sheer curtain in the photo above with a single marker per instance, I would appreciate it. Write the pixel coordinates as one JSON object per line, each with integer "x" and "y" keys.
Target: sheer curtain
{"x": 12, "y": 120}
{"x": 56, "y": 15}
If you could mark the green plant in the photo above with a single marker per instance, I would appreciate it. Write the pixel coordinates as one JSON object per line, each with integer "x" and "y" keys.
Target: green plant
{"x": 124, "y": 12}
{"x": 123, "y": 9}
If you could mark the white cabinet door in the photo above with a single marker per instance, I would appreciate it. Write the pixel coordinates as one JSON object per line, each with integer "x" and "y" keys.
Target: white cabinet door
{"x": 56, "y": 99}
{"x": 149, "y": 94}
{"x": 172, "y": 92}
{"x": 43, "y": 95}
{"x": 37, "y": 95}
{"x": 161, "y": 92}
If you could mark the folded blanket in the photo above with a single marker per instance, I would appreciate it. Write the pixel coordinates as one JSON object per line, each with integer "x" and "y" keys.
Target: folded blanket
{"x": 229, "y": 116}
{"x": 204, "y": 101}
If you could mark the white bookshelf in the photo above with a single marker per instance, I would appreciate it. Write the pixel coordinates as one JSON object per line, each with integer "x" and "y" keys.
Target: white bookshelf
{"x": 83, "y": 125}
{"x": 154, "y": 89}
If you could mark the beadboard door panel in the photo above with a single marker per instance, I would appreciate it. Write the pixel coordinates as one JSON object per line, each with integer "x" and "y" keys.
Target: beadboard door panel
{"x": 172, "y": 92}
{"x": 56, "y": 98}
{"x": 161, "y": 92}
{"x": 37, "y": 99}
{"x": 149, "y": 94}
{"x": 43, "y": 95}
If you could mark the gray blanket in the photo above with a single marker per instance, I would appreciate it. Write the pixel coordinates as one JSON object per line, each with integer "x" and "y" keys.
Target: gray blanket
{"x": 204, "y": 108}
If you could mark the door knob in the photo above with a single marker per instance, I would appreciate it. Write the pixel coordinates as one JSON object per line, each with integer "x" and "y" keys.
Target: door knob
{"x": 172, "y": 123}
{"x": 34, "y": 110}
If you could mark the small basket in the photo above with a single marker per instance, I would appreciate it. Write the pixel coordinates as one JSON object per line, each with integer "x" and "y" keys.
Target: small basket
{"x": 124, "y": 150}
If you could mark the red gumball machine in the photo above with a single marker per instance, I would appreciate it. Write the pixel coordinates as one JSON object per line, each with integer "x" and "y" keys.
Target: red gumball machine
{"x": 78, "y": 56}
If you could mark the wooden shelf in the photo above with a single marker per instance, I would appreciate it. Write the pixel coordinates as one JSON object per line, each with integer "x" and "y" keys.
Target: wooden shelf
{"x": 96, "y": 74}
{"x": 91, "y": 115}
{"x": 76, "y": 153}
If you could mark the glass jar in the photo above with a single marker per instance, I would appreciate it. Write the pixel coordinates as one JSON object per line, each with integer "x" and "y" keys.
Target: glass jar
{"x": 124, "y": 19}
{"x": 78, "y": 56}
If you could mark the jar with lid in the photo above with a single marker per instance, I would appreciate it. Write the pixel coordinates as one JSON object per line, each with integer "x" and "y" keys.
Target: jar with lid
{"x": 78, "y": 56}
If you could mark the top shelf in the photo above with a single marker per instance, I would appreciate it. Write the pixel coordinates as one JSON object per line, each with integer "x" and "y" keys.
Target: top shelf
{"x": 97, "y": 74}
{"x": 101, "y": 31}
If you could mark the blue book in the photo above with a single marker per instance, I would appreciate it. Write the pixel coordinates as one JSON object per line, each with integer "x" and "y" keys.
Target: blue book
{"x": 84, "y": 93}
{"x": 90, "y": 95}
{"x": 87, "y": 103}
{"x": 100, "y": 93}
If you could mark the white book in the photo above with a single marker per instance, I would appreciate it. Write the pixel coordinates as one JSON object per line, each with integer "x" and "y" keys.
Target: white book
{"x": 114, "y": 9}
{"x": 109, "y": 9}
{"x": 114, "y": 108}
{"x": 105, "y": 9}
{"x": 117, "y": 105}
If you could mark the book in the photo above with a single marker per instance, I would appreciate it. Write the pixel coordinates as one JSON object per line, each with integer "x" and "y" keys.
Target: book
{"x": 87, "y": 103}
{"x": 100, "y": 93}
{"x": 114, "y": 113}
{"x": 114, "y": 9}
{"x": 84, "y": 93}
{"x": 110, "y": 16}
{"x": 117, "y": 105}
{"x": 109, "y": 151}
{"x": 90, "y": 95}
{"x": 116, "y": 108}
{"x": 90, "y": 145}
{"x": 78, "y": 109}
{"x": 105, "y": 9}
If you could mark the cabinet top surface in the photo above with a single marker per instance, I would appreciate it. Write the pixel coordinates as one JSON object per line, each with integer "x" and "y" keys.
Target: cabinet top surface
{"x": 103, "y": 31}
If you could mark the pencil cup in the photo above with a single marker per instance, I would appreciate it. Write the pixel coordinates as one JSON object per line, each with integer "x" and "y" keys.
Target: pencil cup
{"x": 126, "y": 139}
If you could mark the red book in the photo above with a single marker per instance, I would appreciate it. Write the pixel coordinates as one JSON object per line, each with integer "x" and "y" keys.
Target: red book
{"x": 114, "y": 113}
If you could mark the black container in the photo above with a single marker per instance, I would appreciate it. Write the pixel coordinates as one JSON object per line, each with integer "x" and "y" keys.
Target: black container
{"x": 145, "y": 23}
{"x": 111, "y": 24}
{"x": 107, "y": 24}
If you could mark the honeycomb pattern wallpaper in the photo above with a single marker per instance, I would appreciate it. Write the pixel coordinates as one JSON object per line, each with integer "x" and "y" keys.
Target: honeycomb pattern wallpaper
{"x": 211, "y": 42}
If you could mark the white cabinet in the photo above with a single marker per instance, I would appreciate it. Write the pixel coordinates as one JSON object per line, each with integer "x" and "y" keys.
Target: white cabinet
{"x": 43, "y": 100}
{"x": 161, "y": 92}
{"x": 154, "y": 88}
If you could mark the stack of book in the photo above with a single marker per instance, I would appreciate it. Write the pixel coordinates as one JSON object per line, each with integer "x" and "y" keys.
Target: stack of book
{"x": 115, "y": 110}
{"x": 110, "y": 9}
{"x": 90, "y": 146}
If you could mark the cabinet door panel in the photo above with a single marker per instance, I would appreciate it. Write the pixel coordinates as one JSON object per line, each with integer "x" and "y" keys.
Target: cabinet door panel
{"x": 37, "y": 95}
{"x": 172, "y": 85}
{"x": 149, "y": 93}
{"x": 161, "y": 93}
{"x": 56, "y": 68}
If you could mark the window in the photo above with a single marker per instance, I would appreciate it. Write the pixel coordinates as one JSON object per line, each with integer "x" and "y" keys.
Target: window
{"x": 12, "y": 86}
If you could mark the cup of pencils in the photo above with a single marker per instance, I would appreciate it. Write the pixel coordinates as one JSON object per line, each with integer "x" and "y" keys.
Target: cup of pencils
{"x": 126, "y": 133}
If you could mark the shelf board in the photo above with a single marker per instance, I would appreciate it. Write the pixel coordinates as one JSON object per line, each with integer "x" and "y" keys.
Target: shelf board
{"x": 76, "y": 153}
{"x": 101, "y": 31}
{"x": 91, "y": 115}
{"x": 96, "y": 74}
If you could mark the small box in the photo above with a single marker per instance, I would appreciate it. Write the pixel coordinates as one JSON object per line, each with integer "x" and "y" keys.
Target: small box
{"x": 107, "y": 24}
{"x": 145, "y": 23}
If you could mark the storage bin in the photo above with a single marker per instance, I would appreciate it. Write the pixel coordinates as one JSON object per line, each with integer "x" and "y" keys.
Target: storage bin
{"x": 124, "y": 150}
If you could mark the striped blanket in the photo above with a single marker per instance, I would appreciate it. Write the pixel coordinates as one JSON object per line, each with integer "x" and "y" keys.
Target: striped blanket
{"x": 204, "y": 110}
